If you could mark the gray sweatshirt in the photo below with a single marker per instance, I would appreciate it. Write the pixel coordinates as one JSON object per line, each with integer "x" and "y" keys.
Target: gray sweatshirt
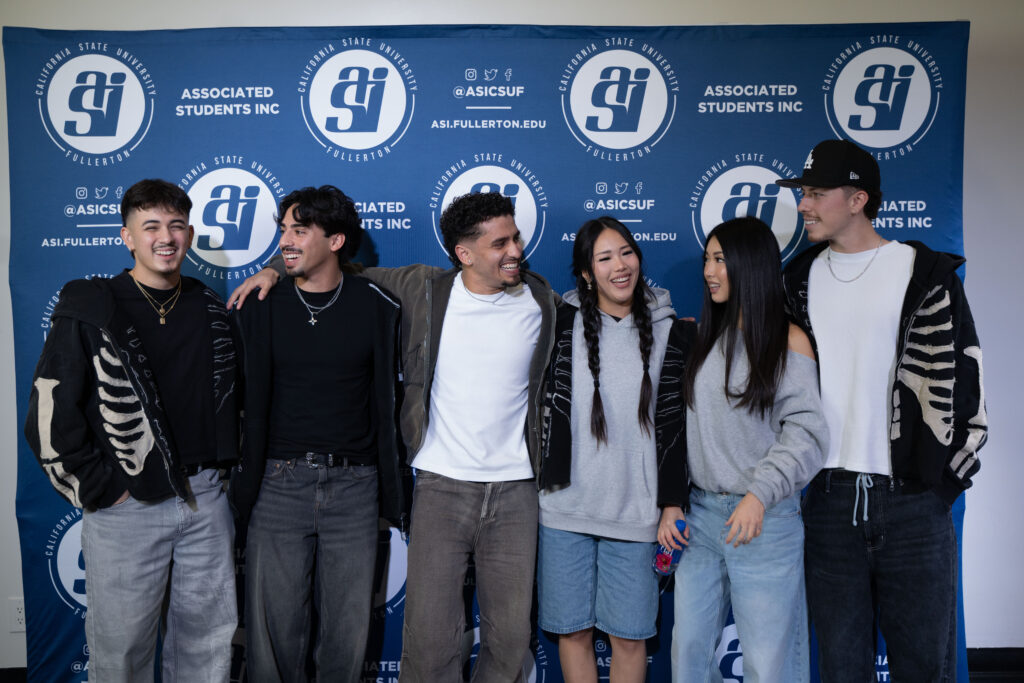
{"x": 731, "y": 450}
{"x": 614, "y": 485}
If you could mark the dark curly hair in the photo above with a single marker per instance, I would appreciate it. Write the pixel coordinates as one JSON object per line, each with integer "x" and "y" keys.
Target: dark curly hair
{"x": 462, "y": 219}
{"x": 331, "y": 209}
{"x": 582, "y": 263}
{"x": 153, "y": 192}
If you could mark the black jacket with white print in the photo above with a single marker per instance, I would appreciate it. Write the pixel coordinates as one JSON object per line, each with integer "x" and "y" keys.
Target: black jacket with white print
{"x": 96, "y": 420}
{"x": 938, "y": 420}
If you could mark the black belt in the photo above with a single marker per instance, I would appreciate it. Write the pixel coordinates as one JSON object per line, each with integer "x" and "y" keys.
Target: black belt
{"x": 316, "y": 460}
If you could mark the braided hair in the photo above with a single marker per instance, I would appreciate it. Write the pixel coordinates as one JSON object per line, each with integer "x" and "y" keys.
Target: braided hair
{"x": 582, "y": 269}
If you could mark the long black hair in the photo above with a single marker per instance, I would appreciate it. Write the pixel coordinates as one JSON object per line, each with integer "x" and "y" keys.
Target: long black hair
{"x": 582, "y": 263}
{"x": 754, "y": 268}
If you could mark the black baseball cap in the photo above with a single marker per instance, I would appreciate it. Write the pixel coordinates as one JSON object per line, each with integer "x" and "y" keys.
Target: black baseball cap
{"x": 835, "y": 163}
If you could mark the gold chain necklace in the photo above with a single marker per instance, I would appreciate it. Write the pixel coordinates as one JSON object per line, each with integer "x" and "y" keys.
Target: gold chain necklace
{"x": 162, "y": 309}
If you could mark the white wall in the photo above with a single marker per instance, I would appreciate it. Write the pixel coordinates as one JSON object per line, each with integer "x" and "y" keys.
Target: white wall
{"x": 994, "y": 148}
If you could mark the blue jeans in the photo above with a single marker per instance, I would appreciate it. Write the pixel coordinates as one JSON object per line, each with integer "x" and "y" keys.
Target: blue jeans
{"x": 763, "y": 581}
{"x": 312, "y": 536}
{"x": 585, "y": 580}
{"x": 896, "y": 569}
{"x": 496, "y": 523}
{"x": 131, "y": 551}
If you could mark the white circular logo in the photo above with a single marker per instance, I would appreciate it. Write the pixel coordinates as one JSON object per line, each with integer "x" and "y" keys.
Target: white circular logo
{"x": 96, "y": 105}
{"x": 67, "y": 565}
{"x": 883, "y": 98}
{"x": 233, "y": 214}
{"x": 729, "y": 654}
{"x": 390, "y": 590}
{"x": 750, "y": 191}
{"x": 619, "y": 100}
{"x": 530, "y": 216}
{"x": 357, "y": 101}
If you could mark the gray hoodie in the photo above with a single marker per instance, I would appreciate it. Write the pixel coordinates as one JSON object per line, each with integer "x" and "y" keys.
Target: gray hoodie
{"x": 614, "y": 485}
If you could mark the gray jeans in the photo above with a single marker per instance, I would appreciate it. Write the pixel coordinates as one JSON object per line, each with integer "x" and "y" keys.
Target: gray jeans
{"x": 312, "y": 541}
{"x": 496, "y": 523}
{"x": 128, "y": 550}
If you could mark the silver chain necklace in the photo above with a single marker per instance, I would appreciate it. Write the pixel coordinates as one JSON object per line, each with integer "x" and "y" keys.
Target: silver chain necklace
{"x": 314, "y": 311}
{"x": 828, "y": 258}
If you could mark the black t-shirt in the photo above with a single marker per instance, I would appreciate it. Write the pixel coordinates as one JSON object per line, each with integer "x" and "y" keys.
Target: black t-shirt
{"x": 323, "y": 373}
{"x": 180, "y": 353}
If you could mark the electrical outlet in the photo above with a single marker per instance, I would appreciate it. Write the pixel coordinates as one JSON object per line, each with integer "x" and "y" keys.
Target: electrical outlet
{"x": 16, "y": 610}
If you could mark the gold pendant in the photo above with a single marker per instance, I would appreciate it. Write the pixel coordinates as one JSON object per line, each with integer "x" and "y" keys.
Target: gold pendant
{"x": 162, "y": 321}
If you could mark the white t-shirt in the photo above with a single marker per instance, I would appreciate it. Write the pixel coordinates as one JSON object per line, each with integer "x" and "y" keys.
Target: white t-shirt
{"x": 856, "y": 326}
{"x": 479, "y": 396}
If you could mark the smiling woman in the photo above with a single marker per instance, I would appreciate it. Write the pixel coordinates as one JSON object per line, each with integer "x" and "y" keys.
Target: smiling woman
{"x": 596, "y": 540}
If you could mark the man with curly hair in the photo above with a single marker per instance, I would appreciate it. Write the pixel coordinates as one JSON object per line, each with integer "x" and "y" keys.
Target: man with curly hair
{"x": 477, "y": 340}
{"x": 321, "y": 385}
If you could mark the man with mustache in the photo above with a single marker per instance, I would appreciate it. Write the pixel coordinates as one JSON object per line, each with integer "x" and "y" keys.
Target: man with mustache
{"x": 320, "y": 357}
{"x": 900, "y": 370}
{"x": 133, "y": 414}
{"x": 477, "y": 341}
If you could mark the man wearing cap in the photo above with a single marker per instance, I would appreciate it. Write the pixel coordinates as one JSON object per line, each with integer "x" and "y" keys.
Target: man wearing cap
{"x": 902, "y": 392}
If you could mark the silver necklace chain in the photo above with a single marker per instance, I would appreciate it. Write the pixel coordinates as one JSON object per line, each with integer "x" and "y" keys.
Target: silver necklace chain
{"x": 493, "y": 302}
{"x": 828, "y": 258}
{"x": 314, "y": 311}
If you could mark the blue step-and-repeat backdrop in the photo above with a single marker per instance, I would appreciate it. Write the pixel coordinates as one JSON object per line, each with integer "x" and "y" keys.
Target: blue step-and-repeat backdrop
{"x": 670, "y": 129}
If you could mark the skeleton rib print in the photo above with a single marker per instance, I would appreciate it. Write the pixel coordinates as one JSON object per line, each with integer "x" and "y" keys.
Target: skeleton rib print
{"x": 928, "y": 369}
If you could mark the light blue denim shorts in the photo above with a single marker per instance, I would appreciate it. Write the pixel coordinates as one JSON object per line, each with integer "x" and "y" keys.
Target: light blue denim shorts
{"x": 585, "y": 581}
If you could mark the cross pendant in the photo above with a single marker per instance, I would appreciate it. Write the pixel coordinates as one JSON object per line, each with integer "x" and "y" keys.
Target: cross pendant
{"x": 312, "y": 319}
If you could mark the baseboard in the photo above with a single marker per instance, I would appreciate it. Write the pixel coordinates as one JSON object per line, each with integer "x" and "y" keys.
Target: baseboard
{"x": 995, "y": 664}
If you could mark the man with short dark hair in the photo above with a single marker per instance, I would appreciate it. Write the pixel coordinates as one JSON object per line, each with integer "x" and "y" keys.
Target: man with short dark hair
{"x": 901, "y": 386}
{"x": 477, "y": 341}
{"x": 132, "y": 415}
{"x": 320, "y": 356}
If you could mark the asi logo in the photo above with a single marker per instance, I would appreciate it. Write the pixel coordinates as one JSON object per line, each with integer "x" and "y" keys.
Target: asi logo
{"x": 233, "y": 212}
{"x": 97, "y": 108}
{"x": 748, "y": 190}
{"x": 618, "y": 103}
{"x": 515, "y": 180}
{"x": 359, "y": 103}
{"x": 884, "y": 99}
{"x": 392, "y": 567}
{"x": 63, "y": 553}
{"x": 729, "y": 654}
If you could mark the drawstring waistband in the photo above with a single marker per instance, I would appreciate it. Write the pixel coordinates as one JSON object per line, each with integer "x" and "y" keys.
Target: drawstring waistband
{"x": 864, "y": 482}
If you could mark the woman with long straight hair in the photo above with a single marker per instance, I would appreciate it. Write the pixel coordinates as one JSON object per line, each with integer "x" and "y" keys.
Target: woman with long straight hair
{"x": 598, "y": 508}
{"x": 755, "y": 436}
